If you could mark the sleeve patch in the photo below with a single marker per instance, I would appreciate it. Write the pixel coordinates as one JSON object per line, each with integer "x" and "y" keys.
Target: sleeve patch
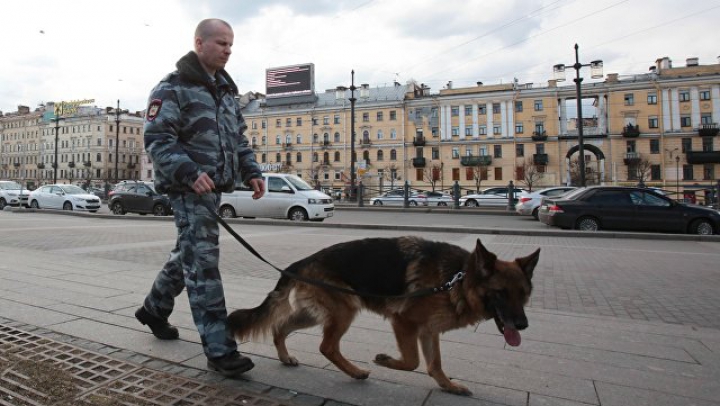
{"x": 153, "y": 109}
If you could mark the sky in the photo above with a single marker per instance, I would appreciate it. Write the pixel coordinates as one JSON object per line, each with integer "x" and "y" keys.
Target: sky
{"x": 109, "y": 51}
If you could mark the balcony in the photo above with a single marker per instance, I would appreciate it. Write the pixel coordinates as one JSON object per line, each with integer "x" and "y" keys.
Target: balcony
{"x": 41, "y": 165}
{"x": 254, "y": 146}
{"x": 365, "y": 142}
{"x": 541, "y": 159}
{"x": 418, "y": 162}
{"x": 539, "y": 135}
{"x": 325, "y": 144}
{"x": 131, "y": 165}
{"x": 631, "y": 158}
{"x": 71, "y": 164}
{"x": 419, "y": 141}
{"x": 17, "y": 164}
{"x": 287, "y": 145}
{"x": 482, "y": 160}
{"x": 631, "y": 131}
{"x": 703, "y": 157}
{"x": 87, "y": 164}
{"x": 708, "y": 130}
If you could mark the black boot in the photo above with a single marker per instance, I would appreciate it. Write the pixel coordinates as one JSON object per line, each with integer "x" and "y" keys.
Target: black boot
{"x": 160, "y": 327}
{"x": 231, "y": 365}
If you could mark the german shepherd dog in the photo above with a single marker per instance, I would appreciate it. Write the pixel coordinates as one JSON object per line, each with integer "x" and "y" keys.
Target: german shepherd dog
{"x": 491, "y": 288}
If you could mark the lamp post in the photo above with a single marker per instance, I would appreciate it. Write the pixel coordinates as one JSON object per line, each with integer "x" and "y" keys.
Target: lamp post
{"x": 58, "y": 112}
{"x": 596, "y": 73}
{"x": 677, "y": 176}
{"x": 352, "y": 135}
{"x": 117, "y": 138}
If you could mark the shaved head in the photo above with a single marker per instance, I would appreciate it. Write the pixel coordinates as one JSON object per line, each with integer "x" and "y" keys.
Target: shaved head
{"x": 208, "y": 27}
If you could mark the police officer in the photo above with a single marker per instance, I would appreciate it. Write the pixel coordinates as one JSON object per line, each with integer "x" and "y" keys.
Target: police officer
{"x": 194, "y": 136}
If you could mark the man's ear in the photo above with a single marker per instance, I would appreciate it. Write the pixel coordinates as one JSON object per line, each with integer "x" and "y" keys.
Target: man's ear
{"x": 528, "y": 263}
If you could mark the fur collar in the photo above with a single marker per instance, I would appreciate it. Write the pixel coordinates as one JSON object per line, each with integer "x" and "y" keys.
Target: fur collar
{"x": 190, "y": 69}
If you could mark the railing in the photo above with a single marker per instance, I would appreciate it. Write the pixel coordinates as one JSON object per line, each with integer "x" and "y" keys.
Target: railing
{"x": 539, "y": 135}
{"x": 475, "y": 160}
{"x": 631, "y": 131}
{"x": 541, "y": 159}
{"x": 418, "y": 162}
{"x": 708, "y": 130}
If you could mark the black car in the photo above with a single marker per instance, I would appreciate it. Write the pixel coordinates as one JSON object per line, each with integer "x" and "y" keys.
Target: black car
{"x": 138, "y": 197}
{"x": 627, "y": 208}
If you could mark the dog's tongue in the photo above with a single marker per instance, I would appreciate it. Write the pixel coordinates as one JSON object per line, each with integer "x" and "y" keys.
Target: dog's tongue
{"x": 512, "y": 336}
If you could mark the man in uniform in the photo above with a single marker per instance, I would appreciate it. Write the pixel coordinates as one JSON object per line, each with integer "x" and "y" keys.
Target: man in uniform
{"x": 194, "y": 136}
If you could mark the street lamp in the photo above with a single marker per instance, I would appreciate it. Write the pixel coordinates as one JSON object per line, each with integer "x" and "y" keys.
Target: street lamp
{"x": 58, "y": 112}
{"x": 677, "y": 176}
{"x": 117, "y": 138}
{"x": 596, "y": 72}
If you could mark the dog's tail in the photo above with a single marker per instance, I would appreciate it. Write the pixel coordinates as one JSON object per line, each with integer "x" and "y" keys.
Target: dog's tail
{"x": 258, "y": 322}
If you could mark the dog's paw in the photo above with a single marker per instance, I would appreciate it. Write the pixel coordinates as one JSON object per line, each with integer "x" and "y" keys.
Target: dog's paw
{"x": 382, "y": 359}
{"x": 361, "y": 374}
{"x": 290, "y": 361}
{"x": 457, "y": 389}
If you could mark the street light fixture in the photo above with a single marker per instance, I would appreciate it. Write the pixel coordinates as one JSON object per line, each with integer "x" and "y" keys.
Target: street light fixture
{"x": 596, "y": 72}
{"x": 117, "y": 138}
{"x": 58, "y": 113}
{"x": 677, "y": 176}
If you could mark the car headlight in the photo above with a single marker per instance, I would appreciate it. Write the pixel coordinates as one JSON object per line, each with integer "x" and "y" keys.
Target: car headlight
{"x": 318, "y": 201}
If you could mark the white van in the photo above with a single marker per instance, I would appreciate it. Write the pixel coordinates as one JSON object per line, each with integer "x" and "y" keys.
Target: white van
{"x": 286, "y": 196}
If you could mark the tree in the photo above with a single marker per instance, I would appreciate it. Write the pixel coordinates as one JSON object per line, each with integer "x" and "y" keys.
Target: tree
{"x": 640, "y": 170}
{"x": 591, "y": 175}
{"x": 479, "y": 173}
{"x": 391, "y": 174}
{"x": 529, "y": 173}
{"x": 432, "y": 175}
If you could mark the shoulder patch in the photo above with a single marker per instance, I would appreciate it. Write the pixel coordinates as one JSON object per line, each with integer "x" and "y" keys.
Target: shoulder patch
{"x": 153, "y": 109}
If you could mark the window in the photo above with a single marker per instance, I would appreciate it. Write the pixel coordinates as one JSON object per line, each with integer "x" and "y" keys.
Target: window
{"x": 704, "y": 95}
{"x": 654, "y": 146}
{"x": 298, "y": 139}
{"x": 684, "y": 95}
{"x": 435, "y": 131}
{"x": 277, "y": 157}
{"x": 498, "y": 174}
{"x": 688, "y": 172}
{"x": 686, "y": 145}
{"x": 298, "y": 121}
{"x": 393, "y": 134}
{"x": 629, "y": 99}
{"x": 652, "y": 122}
{"x": 519, "y": 150}
{"x": 708, "y": 172}
{"x": 631, "y": 146}
{"x": 497, "y": 129}
{"x": 298, "y": 157}
{"x": 277, "y": 140}
{"x": 288, "y": 139}
{"x": 366, "y": 117}
{"x": 468, "y": 131}
{"x": 380, "y": 135}
{"x": 254, "y": 125}
{"x": 435, "y": 153}
{"x": 468, "y": 110}
{"x": 707, "y": 144}
{"x": 455, "y": 173}
{"x": 455, "y": 130}
{"x": 336, "y": 156}
{"x": 518, "y": 106}
{"x": 337, "y": 137}
{"x": 496, "y": 108}
{"x": 315, "y": 157}
{"x": 380, "y": 155}
{"x": 655, "y": 172}
{"x": 393, "y": 115}
{"x": 539, "y": 148}
{"x": 482, "y": 109}
{"x": 419, "y": 174}
{"x": 454, "y": 111}
{"x": 518, "y": 128}
{"x": 393, "y": 155}
{"x": 538, "y": 105}
{"x": 482, "y": 130}
{"x": 456, "y": 153}
{"x": 278, "y": 122}
{"x": 468, "y": 151}
{"x": 497, "y": 151}
{"x": 314, "y": 121}
{"x": 379, "y": 116}
{"x": 288, "y": 122}
{"x": 652, "y": 98}
{"x": 336, "y": 119}
{"x": 685, "y": 121}
{"x": 706, "y": 119}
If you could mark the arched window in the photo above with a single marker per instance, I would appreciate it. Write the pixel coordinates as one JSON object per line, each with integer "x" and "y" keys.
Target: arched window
{"x": 288, "y": 158}
{"x": 315, "y": 138}
{"x": 326, "y": 158}
{"x": 263, "y": 159}
{"x": 366, "y": 155}
{"x": 298, "y": 139}
{"x": 366, "y": 136}
{"x": 277, "y": 157}
{"x": 315, "y": 156}
{"x": 393, "y": 134}
{"x": 326, "y": 138}
{"x": 337, "y": 137}
{"x": 98, "y": 157}
{"x": 277, "y": 140}
{"x": 288, "y": 139}
{"x": 379, "y": 134}
{"x": 380, "y": 155}
{"x": 264, "y": 140}
{"x": 337, "y": 156}
{"x": 393, "y": 155}
{"x": 298, "y": 158}
{"x": 254, "y": 140}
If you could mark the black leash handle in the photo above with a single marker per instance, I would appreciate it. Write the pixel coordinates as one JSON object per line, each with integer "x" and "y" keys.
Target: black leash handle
{"x": 422, "y": 292}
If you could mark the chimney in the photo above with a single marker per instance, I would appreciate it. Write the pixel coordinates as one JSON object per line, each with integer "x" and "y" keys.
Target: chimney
{"x": 663, "y": 63}
{"x": 694, "y": 61}
{"x": 612, "y": 78}
{"x": 552, "y": 83}
{"x": 449, "y": 84}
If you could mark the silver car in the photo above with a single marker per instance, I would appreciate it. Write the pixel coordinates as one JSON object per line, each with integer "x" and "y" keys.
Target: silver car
{"x": 529, "y": 203}
{"x": 494, "y": 196}
{"x": 396, "y": 197}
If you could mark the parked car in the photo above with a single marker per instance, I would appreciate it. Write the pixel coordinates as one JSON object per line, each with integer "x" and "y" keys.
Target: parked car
{"x": 396, "y": 197}
{"x": 438, "y": 198}
{"x": 529, "y": 202}
{"x": 627, "y": 208}
{"x": 138, "y": 197}
{"x": 13, "y": 194}
{"x": 494, "y": 196}
{"x": 66, "y": 197}
{"x": 286, "y": 196}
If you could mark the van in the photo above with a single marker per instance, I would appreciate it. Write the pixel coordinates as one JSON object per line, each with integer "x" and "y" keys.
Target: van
{"x": 286, "y": 196}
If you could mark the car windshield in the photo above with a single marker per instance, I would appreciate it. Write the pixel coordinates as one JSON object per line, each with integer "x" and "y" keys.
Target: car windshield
{"x": 573, "y": 194}
{"x": 73, "y": 190}
{"x": 298, "y": 183}
{"x": 9, "y": 185}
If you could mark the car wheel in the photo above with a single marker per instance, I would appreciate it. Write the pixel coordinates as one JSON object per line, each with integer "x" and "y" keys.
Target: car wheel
{"x": 442, "y": 204}
{"x": 535, "y": 213}
{"x": 117, "y": 208}
{"x": 701, "y": 227}
{"x": 159, "y": 210}
{"x": 227, "y": 212}
{"x": 67, "y": 206}
{"x": 587, "y": 224}
{"x": 3, "y": 203}
{"x": 377, "y": 203}
{"x": 34, "y": 204}
{"x": 298, "y": 214}
{"x": 471, "y": 203}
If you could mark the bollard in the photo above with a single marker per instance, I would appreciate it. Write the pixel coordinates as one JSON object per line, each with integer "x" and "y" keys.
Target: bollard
{"x": 511, "y": 196}
{"x": 406, "y": 202}
{"x": 456, "y": 195}
{"x": 361, "y": 192}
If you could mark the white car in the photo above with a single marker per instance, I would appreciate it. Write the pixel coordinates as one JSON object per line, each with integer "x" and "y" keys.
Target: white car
{"x": 12, "y": 194}
{"x": 438, "y": 199}
{"x": 494, "y": 196}
{"x": 529, "y": 203}
{"x": 286, "y": 196}
{"x": 66, "y": 197}
{"x": 396, "y": 197}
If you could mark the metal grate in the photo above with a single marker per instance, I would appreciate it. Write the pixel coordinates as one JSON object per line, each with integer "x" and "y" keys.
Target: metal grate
{"x": 36, "y": 370}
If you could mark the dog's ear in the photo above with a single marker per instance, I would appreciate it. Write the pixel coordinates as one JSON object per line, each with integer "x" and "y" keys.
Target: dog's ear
{"x": 528, "y": 263}
{"x": 485, "y": 261}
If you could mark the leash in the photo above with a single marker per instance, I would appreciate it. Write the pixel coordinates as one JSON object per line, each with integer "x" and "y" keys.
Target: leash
{"x": 447, "y": 286}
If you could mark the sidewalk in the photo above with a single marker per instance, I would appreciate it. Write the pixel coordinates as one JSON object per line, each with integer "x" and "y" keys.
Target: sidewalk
{"x": 76, "y": 309}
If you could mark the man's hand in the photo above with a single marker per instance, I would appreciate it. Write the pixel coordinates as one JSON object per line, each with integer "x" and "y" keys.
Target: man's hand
{"x": 258, "y": 186}
{"x": 203, "y": 184}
